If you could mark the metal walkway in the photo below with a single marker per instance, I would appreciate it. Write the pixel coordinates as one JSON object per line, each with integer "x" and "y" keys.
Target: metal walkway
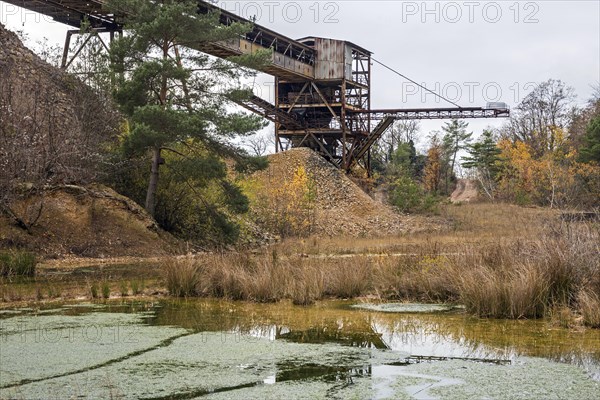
{"x": 270, "y": 112}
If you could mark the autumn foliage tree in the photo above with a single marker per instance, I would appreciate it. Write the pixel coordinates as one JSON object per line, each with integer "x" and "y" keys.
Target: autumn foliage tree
{"x": 544, "y": 155}
{"x": 288, "y": 206}
{"x": 432, "y": 176}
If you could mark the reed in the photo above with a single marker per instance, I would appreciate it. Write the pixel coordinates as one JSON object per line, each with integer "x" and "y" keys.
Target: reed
{"x": 504, "y": 278}
{"x": 17, "y": 263}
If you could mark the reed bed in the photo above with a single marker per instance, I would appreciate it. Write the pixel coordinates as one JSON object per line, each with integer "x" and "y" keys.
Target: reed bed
{"x": 504, "y": 279}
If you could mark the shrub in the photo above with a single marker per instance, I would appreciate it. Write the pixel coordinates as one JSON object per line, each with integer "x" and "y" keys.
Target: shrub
{"x": 408, "y": 196}
{"x": 136, "y": 287}
{"x": 105, "y": 290}
{"x": 94, "y": 290}
{"x": 123, "y": 287}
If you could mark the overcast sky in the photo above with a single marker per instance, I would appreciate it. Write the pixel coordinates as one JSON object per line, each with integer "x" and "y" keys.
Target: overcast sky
{"x": 470, "y": 51}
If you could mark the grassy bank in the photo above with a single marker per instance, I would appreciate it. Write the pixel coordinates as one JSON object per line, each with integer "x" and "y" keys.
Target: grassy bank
{"x": 527, "y": 270}
{"x": 498, "y": 260}
{"x": 80, "y": 279}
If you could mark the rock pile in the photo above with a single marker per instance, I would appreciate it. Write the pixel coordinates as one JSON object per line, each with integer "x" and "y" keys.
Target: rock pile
{"x": 341, "y": 206}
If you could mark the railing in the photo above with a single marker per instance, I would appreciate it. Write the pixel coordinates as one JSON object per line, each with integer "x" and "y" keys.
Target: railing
{"x": 440, "y": 113}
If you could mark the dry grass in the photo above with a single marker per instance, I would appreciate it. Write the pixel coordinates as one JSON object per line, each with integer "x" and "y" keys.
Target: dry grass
{"x": 564, "y": 317}
{"x": 528, "y": 271}
{"x": 268, "y": 278}
{"x": 525, "y": 279}
{"x": 182, "y": 278}
{"x": 589, "y": 307}
{"x": 520, "y": 291}
{"x": 17, "y": 263}
{"x": 465, "y": 224}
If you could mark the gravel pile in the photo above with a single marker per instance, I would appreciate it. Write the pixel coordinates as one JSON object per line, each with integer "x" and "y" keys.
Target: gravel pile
{"x": 342, "y": 207}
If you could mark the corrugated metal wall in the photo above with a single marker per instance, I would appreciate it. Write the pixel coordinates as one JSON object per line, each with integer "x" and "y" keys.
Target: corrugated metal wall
{"x": 331, "y": 59}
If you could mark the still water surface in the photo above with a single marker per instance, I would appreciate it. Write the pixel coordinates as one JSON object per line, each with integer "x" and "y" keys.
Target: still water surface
{"x": 218, "y": 349}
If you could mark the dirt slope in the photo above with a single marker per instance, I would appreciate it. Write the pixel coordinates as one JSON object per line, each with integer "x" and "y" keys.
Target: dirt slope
{"x": 466, "y": 191}
{"x": 92, "y": 221}
{"x": 341, "y": 207}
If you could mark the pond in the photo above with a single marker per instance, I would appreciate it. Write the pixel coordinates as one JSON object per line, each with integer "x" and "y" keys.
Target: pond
{"x": 216, "y": 349}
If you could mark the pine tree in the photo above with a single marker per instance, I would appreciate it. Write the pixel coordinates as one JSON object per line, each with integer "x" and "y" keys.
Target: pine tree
{"x": 405, "y": 161}
{"x": 456, "y": 138}
{"x": 484, "y": 156}
{"x": 175, "y": 97}
{"x": 590, "y": 149}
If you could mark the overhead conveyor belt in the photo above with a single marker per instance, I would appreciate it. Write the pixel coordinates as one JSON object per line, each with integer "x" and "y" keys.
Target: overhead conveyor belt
{"x": 71, "y": 12}
{"x": 270, "y": 112}
{"x": 291, "y": 59}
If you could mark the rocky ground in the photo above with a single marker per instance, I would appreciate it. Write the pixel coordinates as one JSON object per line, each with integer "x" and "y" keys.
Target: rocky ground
{"x": 92, "y": 221}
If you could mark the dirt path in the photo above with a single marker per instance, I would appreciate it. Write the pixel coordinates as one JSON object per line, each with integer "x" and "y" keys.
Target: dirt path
{"x": 466, "y": 191}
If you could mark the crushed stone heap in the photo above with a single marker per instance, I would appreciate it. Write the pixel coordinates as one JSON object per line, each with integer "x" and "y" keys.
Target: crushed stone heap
{"x": 341, "y": 206}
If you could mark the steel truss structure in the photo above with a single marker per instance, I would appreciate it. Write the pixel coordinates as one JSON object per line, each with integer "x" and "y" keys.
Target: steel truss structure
{"x": 322, "y": 86}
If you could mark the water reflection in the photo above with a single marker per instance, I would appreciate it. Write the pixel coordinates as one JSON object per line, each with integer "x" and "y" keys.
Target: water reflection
{"x": 441, "y": 335}
{"x": 438, "y": 335}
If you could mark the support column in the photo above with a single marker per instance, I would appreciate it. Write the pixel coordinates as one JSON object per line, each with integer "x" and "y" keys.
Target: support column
{"x": 91, "y": 32}
{"x": 277, "y": 139}
{"x": 344, "y": 125}
{"x": 63, "y": 63}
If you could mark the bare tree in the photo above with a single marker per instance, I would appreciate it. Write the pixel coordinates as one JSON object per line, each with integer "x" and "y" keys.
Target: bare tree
{"x": 403, "y": 131}
{"x": 540, "y": 115}
{"x": 259, "y": 143}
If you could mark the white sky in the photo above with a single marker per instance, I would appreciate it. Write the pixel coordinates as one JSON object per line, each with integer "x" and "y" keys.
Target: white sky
{"x": 470, "y": 51}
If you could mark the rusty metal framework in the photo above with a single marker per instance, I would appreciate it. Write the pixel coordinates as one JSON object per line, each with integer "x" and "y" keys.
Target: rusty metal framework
{"x": 322, "y": 86}
{"x": 91, "y": 33}
{"x": 332, "y": 108}
{"x": 72, "y": 12}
